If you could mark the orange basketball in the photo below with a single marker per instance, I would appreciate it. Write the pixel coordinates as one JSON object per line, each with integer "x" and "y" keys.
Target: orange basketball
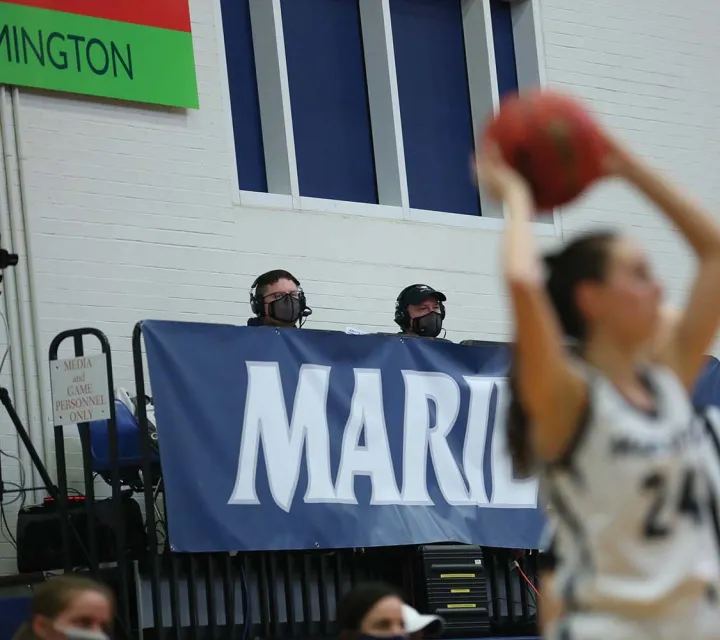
{"x": 552, "y": 141}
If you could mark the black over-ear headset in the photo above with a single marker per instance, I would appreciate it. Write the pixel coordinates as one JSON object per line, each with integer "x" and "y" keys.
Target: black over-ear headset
{"x": 402, "y": 318}
{"x": 257, "y": 303}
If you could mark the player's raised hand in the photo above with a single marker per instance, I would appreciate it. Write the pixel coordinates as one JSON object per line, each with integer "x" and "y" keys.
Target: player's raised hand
{"x": 496, "y": 176}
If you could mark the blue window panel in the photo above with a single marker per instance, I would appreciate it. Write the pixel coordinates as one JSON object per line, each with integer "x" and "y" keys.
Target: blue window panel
{"x": 434, "y": 104}
{"x": 505, "y": 62}
{"x": 328, "y": 94}
{"x": 244, "y": 102}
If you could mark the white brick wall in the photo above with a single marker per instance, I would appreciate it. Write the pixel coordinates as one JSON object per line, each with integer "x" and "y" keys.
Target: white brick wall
{"x": 132, "y": 208}
{"x": 647, "y": 67}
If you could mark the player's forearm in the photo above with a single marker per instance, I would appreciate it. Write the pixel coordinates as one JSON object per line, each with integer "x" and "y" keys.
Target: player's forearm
{"x": 521, "y": 262}
{"x": 697, "y": 226}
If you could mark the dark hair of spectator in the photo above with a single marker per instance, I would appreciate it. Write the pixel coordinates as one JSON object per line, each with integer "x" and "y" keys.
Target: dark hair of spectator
{"x": 356, "y": 603}
{"x": 271, "y": 277}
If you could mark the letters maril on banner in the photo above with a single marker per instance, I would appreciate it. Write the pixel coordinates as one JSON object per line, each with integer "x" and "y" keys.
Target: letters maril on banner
{"x": 286, "y": 438}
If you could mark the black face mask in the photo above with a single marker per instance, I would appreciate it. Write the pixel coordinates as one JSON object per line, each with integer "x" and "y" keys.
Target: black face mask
{"x": 427, "y": 326}
{"x": 286, "y": 309}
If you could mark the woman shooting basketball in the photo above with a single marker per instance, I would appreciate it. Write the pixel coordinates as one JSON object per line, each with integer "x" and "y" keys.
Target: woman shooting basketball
{"x": 613, "y": 438}
{"x": 549, "y": 606}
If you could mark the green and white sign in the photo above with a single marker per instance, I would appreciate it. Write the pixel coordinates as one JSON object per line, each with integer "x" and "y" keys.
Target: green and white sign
{"x": 139, "y": 50}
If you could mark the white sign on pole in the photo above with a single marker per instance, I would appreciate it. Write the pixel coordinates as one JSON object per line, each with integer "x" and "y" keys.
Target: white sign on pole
{"x": 79, "y": 388}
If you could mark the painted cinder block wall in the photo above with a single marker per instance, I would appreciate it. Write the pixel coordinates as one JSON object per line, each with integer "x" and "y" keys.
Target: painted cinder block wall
{"x": 134, "y": 211}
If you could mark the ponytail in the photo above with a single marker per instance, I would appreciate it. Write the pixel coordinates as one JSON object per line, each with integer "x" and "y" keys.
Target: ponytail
{"x": 517, "y": 424}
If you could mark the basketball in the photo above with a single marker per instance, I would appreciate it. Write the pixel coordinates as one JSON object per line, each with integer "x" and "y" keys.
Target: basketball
{"x": 553, "y": 141}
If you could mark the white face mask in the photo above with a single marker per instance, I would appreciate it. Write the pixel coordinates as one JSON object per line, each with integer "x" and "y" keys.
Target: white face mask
{"x": 71, "y": 633}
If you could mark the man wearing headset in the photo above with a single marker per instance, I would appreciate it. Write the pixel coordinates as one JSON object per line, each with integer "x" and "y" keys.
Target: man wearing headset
{"x": 420, "y": 311}
{"x": 277, "y": 300}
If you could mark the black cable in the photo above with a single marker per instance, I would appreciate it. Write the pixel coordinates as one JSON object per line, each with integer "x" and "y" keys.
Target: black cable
{"x": 7, "y": 528}
{"x": 516, "y": 602}
{"x": 532, "y": 595}
{"x": 21, "y": 467}
{"x": 18, "y": 491}
{"x": 22, "y": 489}
{"x": 16, "y": 488}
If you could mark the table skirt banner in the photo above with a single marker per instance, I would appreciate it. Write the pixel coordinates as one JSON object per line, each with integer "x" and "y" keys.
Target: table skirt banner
{"x": 299, "y": 439}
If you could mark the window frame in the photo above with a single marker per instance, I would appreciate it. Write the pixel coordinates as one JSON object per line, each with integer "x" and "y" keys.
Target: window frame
{"x": 280, "y": 159}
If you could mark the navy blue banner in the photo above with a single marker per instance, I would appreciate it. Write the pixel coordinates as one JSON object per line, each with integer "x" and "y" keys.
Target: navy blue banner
{"x": 309, "y": 439}
{"x": 707, "y": 388}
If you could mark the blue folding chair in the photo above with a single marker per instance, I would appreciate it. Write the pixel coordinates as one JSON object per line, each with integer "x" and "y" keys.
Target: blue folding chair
{"x": 129, "y": 449}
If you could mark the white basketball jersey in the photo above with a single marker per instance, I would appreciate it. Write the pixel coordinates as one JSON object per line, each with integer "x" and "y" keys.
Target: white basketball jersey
{"x": 631, "y": 506}
{"x": 711, "y": 418}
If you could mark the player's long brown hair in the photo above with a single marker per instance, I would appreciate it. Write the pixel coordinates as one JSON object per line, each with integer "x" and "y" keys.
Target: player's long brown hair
{"x": 583, "y": 259}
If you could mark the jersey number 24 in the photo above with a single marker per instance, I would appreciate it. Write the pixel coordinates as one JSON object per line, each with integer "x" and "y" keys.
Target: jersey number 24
{"x": 665, "y": 505}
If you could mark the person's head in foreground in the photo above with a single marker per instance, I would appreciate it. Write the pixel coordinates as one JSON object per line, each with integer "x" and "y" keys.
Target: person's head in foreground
{"x": 603, "y": 291}
{"x": 371, "y": 610}
{"x": 69, "y": 608}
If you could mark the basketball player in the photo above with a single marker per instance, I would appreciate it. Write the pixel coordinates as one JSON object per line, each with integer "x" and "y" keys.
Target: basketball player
{"x": 549, "y": 605}
{"x": 612, "y": 437}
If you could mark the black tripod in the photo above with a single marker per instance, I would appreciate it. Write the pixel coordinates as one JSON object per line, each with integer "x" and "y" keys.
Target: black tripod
{"x": 48, "y": 484}
{"x": 10, "y": 260}
{"x": 60, "y": 498}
